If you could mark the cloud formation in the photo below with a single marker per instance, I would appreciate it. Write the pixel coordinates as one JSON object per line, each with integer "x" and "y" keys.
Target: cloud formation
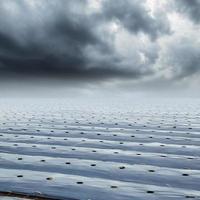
{"x": 60, "y": 38}
{"x": 137, "y": 41}
{"x": 190, "y": 8}
{"x": 134, "y": 16}
{"x": 181, "y": 58}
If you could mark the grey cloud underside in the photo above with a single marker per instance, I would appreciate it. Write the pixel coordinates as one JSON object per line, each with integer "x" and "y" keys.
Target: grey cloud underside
{"x": 191, "y": 8}
{"x": 183, "y": 57}
{"x": 59, "y": 39}
{"x": 134, "y": 16}
{"x": 35, "y": 61}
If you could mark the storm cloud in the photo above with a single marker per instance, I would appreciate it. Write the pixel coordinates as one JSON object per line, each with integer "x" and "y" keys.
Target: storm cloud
{"x": 181, "y": 59}
{"x": 134, "y": 16}
{"x": 190, "y": 8}
{"x": 100, "y": 40}
{"x": 60, "y": 38}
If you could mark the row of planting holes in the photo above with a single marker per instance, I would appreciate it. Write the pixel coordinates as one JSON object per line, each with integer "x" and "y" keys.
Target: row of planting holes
{"x": 112, "y": 186}
{"x": 174, "y": 127}
{"x": 82, "y": 133}
{"x": 133, "y": 136}
{"x": 93, "y": 165}
{"x": 101, "y": 141}
{"x": 95, "y": 151}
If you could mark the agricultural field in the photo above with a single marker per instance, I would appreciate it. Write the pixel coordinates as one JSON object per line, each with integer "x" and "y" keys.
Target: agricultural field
{"x": 62, "y": 150}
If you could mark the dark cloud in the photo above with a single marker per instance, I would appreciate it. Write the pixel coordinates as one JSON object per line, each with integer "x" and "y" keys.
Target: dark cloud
{"x": 136, "y": 18}
{"x": 70, "y": 62}
{"x": 190, "y": 8}
{"x": 61, "y": 39}
{"x": 54, "y": 45}
{"x": 181, "y": 58}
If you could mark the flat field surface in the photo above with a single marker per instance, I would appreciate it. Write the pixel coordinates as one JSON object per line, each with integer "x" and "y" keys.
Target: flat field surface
{"x": 60, "y": 150}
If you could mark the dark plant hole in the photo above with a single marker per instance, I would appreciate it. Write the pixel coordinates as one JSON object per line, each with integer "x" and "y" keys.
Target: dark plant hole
{"x": 150, "y": 191}
{"x": 185, "y": 174}
{"x": 19, "y": 176}
{"x": 151, "y": 170}
{"x": 113, "y": 186}
{"x": 189, "y": 197}
{"x": 49, "y": 178}
{"x": 121, "y": 167}
{"x": 20, "y": 159}
{"x": 79, "y": 182}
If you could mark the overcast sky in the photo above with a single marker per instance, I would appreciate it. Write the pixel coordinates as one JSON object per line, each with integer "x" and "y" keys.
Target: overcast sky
{"x": 131, "y": 45}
